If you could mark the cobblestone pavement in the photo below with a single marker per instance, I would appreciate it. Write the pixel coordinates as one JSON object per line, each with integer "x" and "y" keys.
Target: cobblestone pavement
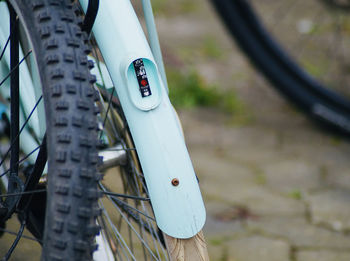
{"x": 271, "y": 194}
{"x": 276, "y": 189}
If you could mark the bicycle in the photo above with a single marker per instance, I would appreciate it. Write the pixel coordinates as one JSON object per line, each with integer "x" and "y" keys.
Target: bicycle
{"x": 65, "y": 126}
{"x": 287, "y": 72}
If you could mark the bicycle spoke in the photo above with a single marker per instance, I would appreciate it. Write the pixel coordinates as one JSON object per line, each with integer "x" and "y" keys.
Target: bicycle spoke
{"x": 34, "y": 176}
{"x": 123, "y": 149}
{"x": 14, "y": 68}
{"x": 120, "y": 238}
{"x": 136, "y": 218}
{"x": 118, "y": 201}
{"x": 110, "y": 98}
{"x": 136, "y": 233}
{"x": 108, "y": 107}
{"x": 23, "y": 236}
{"x": 23, "y": 159}
{"x": 3, "y": 50}
{"x": 23, "y": 193}
{"x": 110, "y": 123}
{"x": 139, "y": 221}
{"x": 20, "y": 131}
{"x": 117, "y": 235}
{"x": 7, "y": 42}
{"x": 153, "y": 233}
{"x": 19, "y": 235}
{"x": 125, "y": 196}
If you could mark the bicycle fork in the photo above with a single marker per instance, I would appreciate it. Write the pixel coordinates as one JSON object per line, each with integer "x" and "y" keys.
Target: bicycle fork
{"x": 170, "y": 178}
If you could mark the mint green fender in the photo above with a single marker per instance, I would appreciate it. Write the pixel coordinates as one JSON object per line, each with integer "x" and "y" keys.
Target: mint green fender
{"x": 179, "y": 210}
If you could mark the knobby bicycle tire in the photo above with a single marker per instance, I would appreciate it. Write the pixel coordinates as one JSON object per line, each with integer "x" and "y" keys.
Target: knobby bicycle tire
{"x": 52, "y": 28}
{"x": 315, "y": 100}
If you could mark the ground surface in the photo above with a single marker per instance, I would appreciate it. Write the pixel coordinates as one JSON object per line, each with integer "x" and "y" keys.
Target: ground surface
{"x": 276, "y": 187}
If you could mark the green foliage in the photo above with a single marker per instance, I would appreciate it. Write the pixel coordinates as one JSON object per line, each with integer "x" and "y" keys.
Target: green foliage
{"x": 295, "y": 194}
{"x": 159, "y": 6}
{"x": 216, "y": 241}
{"x": 189, "y": 90}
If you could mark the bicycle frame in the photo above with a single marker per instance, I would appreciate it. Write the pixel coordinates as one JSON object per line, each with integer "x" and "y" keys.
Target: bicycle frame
{"x": 179, "y": 209}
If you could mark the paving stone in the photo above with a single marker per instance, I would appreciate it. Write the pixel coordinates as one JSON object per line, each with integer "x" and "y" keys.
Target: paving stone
{"x": 209, "y": 165}
{"x": 299, "y": 233}
{"x": 214, "y": 228}
{"x": 254, "y": 155}
{"x": 290, "y": 175}
{"x": 216, "y": 252}
{"x": 258, "y": 199}
{"x": 331, "y": 207}
{"x": 237, "y": 143}
{"x": 322, "y": 255}
{"x": 318, "y": 149}
{"x": 234, "y": 184}
{"x": 337, "y": 174}
{"x": 258, "y": 248}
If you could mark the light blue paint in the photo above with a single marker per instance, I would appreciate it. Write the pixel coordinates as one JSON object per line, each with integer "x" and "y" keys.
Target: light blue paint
{"x": 179, "y": 211}
{"x": 153, "y": 39}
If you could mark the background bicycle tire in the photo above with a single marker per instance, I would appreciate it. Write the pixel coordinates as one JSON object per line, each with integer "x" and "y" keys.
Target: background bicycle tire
{"x": 285, "y": 73}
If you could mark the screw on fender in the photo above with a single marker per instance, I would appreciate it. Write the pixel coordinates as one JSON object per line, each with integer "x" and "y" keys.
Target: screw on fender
{"x": 175, "y": 182}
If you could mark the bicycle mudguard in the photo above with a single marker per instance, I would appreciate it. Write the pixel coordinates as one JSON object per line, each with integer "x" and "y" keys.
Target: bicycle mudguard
{"x": 171, "y": 181}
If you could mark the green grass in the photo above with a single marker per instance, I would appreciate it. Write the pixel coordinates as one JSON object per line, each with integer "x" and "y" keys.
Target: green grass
{"x": 190, "y": 90}
{"x": 216, "y": 241}
{"x": 159, "y": 6}
{"x": 295, "y": 194}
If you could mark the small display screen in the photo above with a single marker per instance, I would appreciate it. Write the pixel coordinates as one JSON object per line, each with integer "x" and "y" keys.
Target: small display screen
{"x": 142, "y": 79}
